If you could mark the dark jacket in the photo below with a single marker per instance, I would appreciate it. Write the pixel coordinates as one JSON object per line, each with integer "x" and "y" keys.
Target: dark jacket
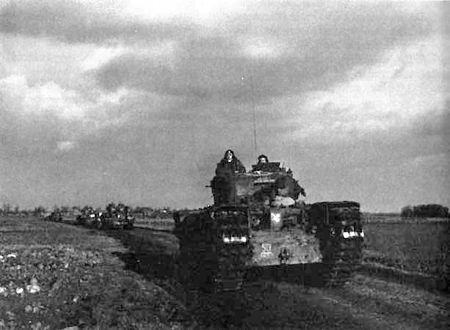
{"x": 226, "y": 167}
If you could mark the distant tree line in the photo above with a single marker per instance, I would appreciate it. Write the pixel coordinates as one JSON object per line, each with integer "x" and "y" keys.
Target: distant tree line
{"x": 7, "y": 209}
{"x": 144, "y": 211}
{"x": 425, "y": 211}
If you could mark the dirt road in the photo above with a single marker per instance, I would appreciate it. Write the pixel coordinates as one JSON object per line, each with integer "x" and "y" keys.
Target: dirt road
{"x": 275, "y": 302}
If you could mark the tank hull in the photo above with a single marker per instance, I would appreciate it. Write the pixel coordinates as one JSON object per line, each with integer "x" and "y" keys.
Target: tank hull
{"x": 218, "y": 245}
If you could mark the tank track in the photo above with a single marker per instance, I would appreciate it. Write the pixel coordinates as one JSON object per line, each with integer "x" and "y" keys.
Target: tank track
{"x": 211, "y": 258}
{"x": 231, "y": 267}
{"x": 231, "y": 256}
{"x": 340, "y": 233}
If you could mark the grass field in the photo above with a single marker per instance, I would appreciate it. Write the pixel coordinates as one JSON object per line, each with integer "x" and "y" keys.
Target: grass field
{"x": 157, "y": 224}
{"x": 54, "y": 275}
{"x": 417, "y": 245}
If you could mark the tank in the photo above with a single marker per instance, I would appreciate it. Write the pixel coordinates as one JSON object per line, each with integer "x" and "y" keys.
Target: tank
{"x": 116, "y": 217}
{"x": 88, "y": 217}
{"x": 55, "y": 216}
{"x": 257, "y": 221}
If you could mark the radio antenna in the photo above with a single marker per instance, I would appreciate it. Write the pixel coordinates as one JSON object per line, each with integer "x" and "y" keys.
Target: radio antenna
{"x": 253, "y": 111}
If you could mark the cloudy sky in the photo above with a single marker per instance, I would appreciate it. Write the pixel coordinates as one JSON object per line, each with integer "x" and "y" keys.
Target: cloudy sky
{"x": 138, "y": 100}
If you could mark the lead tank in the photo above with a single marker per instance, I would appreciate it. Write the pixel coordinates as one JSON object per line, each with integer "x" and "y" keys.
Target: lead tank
{"x": 258, "y": 221}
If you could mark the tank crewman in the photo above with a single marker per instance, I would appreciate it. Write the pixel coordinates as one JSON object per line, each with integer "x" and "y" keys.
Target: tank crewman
{"x": 229, "y": 164}
{"x": 261, "y": 164}
{"x": 262, "y": 159}
{"x": 223, "y": 189}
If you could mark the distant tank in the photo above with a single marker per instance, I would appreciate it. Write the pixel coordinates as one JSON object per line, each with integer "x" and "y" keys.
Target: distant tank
{"x": 257, "y": 221}
{"x": 55, "y": 216}
{"x": 88, "y": 217}
{"x": 116, "y": 217}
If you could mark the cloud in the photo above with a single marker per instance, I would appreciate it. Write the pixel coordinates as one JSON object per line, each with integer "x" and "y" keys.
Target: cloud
{"x": 65, "y": 145}
{"x": 40, "y": 118}
{"x": 204, "y": 11}
{"x": 390, "y": 96}
{"x": 434, "y": 124}
{"x": 48, "y": 98}
{"x": 85, "y": 22}
{"x": 252, "y": 51}
{"x": 262, "y": 47}
{"x": 254, "y": 57}
{"x": 100, "y": 56}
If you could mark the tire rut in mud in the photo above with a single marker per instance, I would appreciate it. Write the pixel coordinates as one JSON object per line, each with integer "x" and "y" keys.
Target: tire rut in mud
{"x": 152, "y": 254}
{"x": 390, "y": 304}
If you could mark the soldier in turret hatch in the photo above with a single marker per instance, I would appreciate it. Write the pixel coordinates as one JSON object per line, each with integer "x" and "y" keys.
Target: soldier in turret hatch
{"x": 229, "y": 164}
{"x": 225, "y": 171}
{"x": 262, "y": 163}
{"x": 262, "y": 159}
